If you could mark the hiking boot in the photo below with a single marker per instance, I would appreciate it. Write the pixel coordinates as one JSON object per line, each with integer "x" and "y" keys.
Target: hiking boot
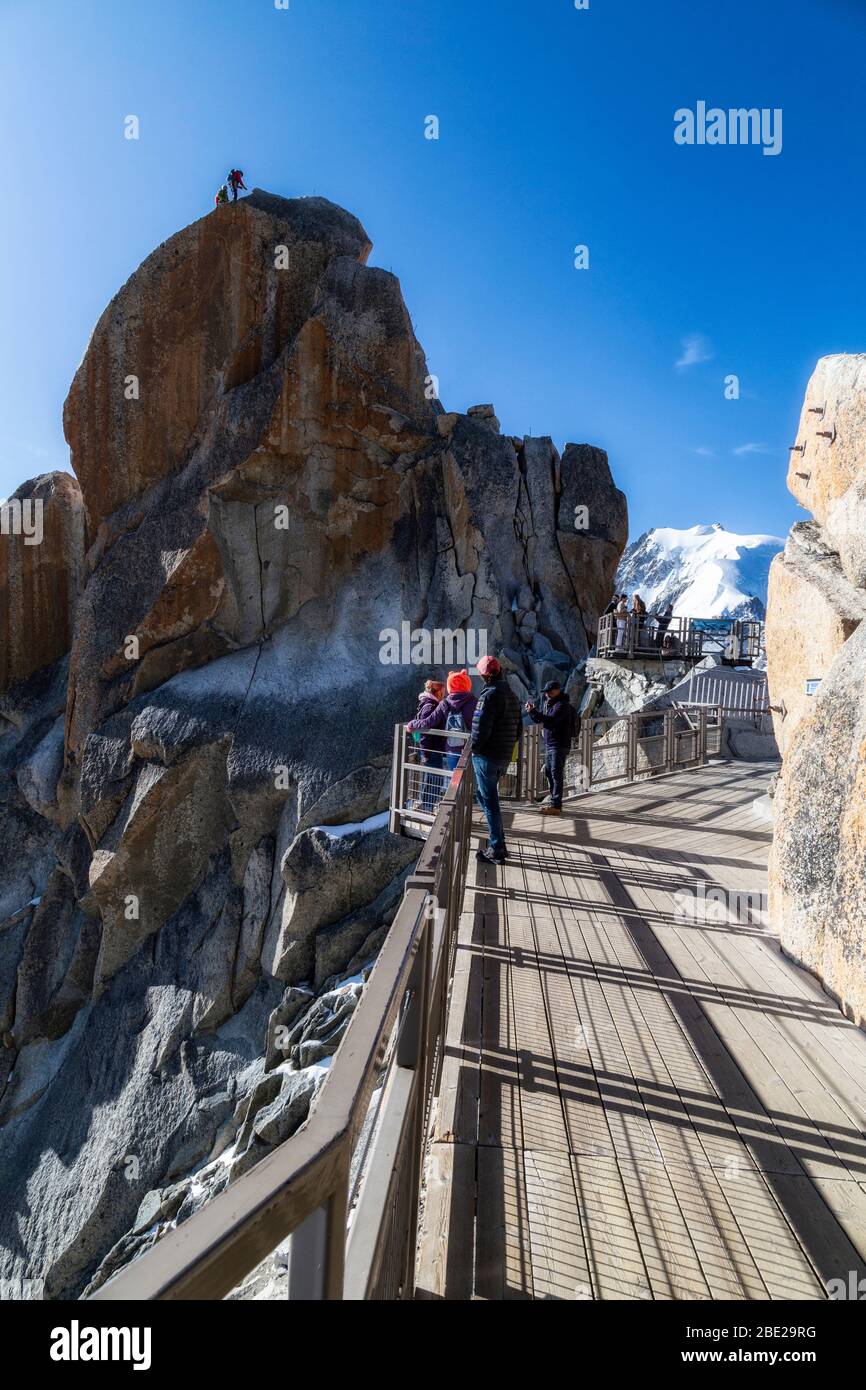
{"x": 488, "y": 857}
{"x": 551, "y": 810}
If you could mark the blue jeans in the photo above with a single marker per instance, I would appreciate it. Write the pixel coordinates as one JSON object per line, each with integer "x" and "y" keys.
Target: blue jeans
{"x": 432, "y": 788}
{"x": 487, "y": 775}
{"x": 554, "y": 771}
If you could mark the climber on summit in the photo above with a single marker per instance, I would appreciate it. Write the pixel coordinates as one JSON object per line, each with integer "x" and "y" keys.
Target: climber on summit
{"x": 235, "y": 181}
{"x": 221, "y": 197}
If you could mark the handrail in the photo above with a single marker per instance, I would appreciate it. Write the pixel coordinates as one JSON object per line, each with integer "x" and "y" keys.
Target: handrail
{"x": 301, "y": 1189}
{"x": 610, "y": 750}
{"x": 738, "y": 694}
{"x": 618, "y": 749}
{"x": 740, "y": 638}
{"x": 416, "y": 785}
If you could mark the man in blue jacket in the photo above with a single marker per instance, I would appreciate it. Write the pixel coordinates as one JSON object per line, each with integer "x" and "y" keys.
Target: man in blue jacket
{"x": 555, "y": 718}
{"x": 495, "y": 730}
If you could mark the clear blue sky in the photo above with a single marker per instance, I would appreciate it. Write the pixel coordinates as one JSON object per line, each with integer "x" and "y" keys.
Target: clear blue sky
{"x": 556, "y": 129}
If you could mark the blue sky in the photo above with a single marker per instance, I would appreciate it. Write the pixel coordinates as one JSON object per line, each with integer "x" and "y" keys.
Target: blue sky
{"x": 556, "y": 129}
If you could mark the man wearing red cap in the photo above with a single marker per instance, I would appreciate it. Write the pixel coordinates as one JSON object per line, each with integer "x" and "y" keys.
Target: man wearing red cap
{"x": 495, "y": 729}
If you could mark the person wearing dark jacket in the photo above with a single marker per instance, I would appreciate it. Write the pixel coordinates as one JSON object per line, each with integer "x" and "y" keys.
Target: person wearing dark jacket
{"x": 429, "y": 746}
{"x": 495, "y": 730}
{"x": 555, "y": 719}
{"x": 638, "y": 618}
{"x": 663, "y": 622}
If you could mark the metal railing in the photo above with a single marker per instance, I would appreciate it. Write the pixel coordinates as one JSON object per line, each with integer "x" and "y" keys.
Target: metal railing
{"x": 394, "y": 1042}
{"x": 420, "y": 776}
{"x": 633, "y": 747}
{"x": 739, "y": 694}
{"x": 608, "y": 751}
{"x": 739, "y": 640}
{"x": 688, "y": 639}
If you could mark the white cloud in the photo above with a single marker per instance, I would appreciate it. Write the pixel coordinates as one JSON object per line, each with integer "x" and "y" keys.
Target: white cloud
{"x": 753, "y": 449}
{"x": 696, "y": 348}
{"x": 706, "y": 453}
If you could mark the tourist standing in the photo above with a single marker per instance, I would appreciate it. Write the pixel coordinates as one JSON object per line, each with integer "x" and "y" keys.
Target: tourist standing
{"x": 430, "y": 746}
{"x": 555, "y": 717}
{"x": 621, "y": 622}
{"x": 495, "y": 730}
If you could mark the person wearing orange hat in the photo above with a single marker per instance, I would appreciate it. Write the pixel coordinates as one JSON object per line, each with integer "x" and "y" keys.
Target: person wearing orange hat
{"x": 459, "y": 712}
{"x": 453, "y": 713}
{"x": 495, "y": 730}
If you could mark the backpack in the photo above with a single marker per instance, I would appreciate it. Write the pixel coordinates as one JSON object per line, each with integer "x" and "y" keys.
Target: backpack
{"x": 573, "y": 722}
{"x": 455, "y": 722}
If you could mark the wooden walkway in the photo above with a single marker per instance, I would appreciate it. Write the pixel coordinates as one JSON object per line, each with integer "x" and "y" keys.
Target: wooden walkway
{"x": 638, "y": 1102}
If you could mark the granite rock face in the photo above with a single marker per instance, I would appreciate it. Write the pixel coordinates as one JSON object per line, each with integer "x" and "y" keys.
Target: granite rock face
{"x": 815, "y": 631}
{"x": 41, "y": 572}
{"x": 812, "y": 610}
{"x": 826, "y": 471}
{"x": 190, "y": 800}
{"x": 818, "y": 866}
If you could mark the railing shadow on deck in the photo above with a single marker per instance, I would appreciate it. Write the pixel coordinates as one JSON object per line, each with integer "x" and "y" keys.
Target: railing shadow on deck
{"x": 780, "y": 1145}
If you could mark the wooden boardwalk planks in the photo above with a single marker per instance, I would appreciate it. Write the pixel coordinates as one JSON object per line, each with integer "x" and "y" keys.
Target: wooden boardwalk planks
{"x": 636, "y": 1101}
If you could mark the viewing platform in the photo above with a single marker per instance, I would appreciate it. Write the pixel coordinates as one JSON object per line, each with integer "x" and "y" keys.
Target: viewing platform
{"x": 738, "y": 641}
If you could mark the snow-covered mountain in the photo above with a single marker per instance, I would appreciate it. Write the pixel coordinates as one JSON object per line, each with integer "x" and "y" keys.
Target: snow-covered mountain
{"x": 705, "y": 572}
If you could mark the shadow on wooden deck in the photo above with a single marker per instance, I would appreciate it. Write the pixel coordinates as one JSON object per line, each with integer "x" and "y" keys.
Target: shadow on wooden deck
{"x": 636, "y": 1105}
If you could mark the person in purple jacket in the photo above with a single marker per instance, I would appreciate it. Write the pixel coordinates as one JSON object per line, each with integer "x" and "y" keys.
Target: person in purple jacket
{"x": 459, "y": 705}
{"x": 430, "y": 748}
{"x": 453, "y": 713}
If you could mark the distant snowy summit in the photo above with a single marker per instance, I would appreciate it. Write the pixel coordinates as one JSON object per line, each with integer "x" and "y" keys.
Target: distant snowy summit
{"x": 705, "y": 572}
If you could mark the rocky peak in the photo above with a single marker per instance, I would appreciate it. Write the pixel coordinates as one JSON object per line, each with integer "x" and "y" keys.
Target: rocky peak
{"x": 197, "y": 850}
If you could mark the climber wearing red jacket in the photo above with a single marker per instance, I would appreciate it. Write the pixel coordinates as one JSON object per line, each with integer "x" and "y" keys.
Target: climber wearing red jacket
{"x": 235, "y": 181}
